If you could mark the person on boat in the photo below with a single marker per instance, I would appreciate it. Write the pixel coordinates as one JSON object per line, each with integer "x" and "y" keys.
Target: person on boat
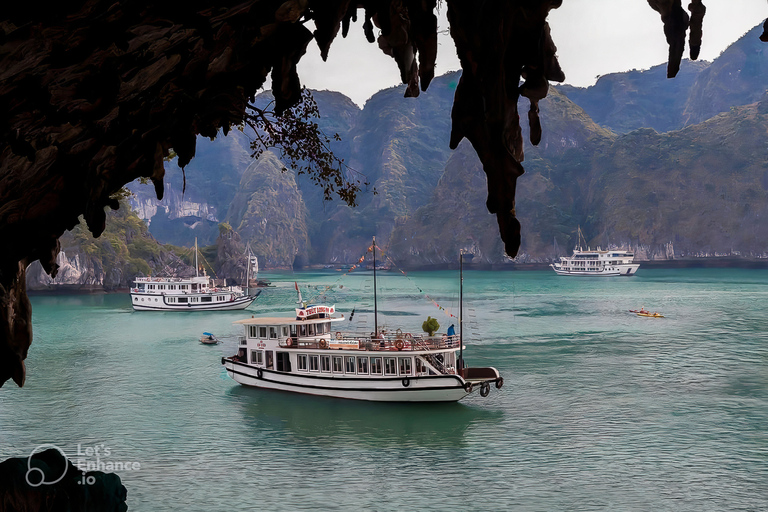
{"x": 451, "y": 331}
{"x": 642, "y": 310}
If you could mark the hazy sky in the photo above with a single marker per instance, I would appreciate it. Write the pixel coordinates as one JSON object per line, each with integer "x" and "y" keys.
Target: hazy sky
{"x": 593, "y": 37}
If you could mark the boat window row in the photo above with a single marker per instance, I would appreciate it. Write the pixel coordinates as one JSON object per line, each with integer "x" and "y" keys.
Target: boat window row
{"x": 310, "y": 329}
{"x": 167, "y": 287}
{"x": 353, "y": 365}
{"x": 264, "y": 332}
{"x": 187, "y": 300}
{"x": 300, "y": 330}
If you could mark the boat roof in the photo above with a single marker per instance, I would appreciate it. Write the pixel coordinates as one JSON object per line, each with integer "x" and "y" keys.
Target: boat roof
{"x": 277, "y": 320}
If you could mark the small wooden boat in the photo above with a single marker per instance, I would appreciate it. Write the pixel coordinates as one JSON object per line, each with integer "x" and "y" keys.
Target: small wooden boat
{"x": 209, "y": 339}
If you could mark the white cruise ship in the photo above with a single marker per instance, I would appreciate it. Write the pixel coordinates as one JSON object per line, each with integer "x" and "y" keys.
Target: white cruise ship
{"x": 596, "y": 262}
{"x": 304, "y": 353}
{"x": 196, "y": 293}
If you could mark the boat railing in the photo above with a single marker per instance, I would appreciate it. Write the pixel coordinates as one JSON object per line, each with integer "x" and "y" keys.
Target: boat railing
{"x": 383, "y": 342}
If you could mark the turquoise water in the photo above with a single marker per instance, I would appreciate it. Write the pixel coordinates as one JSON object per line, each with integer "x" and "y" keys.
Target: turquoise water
{"x": 601, "y": 409}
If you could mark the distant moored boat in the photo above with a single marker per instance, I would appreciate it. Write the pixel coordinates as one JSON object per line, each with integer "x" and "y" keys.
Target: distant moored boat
{"x": 589, "y": 262}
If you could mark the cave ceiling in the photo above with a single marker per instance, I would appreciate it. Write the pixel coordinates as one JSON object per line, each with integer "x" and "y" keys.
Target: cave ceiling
{"x": 94, "y": 94}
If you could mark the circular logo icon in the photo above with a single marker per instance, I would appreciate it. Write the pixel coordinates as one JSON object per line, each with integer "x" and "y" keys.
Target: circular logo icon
{"x": 35, "y": 476}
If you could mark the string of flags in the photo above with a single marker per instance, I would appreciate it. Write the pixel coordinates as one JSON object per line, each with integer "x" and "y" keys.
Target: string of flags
{"x": 437, "y": 305}
{"x": 353, "y": 267}
{"x": 359, "y": 263}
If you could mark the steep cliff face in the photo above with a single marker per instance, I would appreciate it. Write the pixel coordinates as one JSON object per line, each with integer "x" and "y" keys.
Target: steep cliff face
{"x": 674, "y": 171}
{"x": 231, "y": 257}
{"x": 737, "y": 77}
{"x": 269, "y": 212}
{"x": 450, "y": 218}
{"x": 125, "y": 250}
{"x": 638, "y": 99}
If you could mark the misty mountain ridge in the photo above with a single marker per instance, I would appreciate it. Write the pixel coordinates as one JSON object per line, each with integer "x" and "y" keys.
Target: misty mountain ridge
{"x": 671, "y": 168}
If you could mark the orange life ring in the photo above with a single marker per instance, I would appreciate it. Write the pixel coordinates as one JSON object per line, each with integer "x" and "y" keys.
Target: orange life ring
{"x": 323, "y": 343}
{"x": 408, "y": 336}
{"x": 399, "y": 344}
{"x": 338, "y": 335}
{"x": 288, "y": 342}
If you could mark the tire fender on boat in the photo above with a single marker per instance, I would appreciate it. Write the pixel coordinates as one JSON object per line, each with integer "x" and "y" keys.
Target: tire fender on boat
{"x": 406, "y": 382}
{"x": 259, "y": 373}
{"x": 468, "y": 387}
{"x": 485, "y": 389}
{"x": 499, "y": 382}
{"x": 323, "y": 343}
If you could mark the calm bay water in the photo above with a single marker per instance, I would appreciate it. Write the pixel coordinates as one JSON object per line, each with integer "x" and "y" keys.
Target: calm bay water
{"x": 601, "y": 409}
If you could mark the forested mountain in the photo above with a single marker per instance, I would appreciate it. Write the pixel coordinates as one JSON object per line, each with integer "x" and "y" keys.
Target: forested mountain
{"x": 124, "y": 250}
{"x": 673, "y": 168}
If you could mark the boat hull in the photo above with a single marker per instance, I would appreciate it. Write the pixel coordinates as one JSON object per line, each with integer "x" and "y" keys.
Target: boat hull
{"x": 622, "y": 270}
{"x": 433, "y": 388}
{"x": 143, "y": 302}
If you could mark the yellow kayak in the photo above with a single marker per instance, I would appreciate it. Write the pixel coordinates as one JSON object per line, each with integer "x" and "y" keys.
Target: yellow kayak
{"x": 651, "y": 315}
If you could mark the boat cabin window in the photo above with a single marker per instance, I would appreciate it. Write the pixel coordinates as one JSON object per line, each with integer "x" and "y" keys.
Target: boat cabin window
{"x": 183, "y": 299}
{"x": 325, "y": 364}
{"x": 405, "y": 365}
{"x": 273, "y": 332}
{"x": 252, "y": 331}
{"x": 302, "y": 330}
{"x": 314, "y": 363}
{"x": 285, "y": 331}
{"x": 350, "y": 367}
{"x": 302, "y": 362}
{"x": 321, "y": 329}
{"x": 206, "y": 299}
{"x": 293, "y": 330}
{"x": 390, "y": 366}
{"x": 270, "y": 359}
{"x": 338, "y": 364}
{"x": 362, "y": 365}
{"x": 257, "y": 357}
{"x": 262, "y": 332}
{"x": 376, "y": 365}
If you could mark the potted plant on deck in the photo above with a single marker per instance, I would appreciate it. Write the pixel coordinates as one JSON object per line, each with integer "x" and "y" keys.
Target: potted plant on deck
{"x": 430, "y": 326}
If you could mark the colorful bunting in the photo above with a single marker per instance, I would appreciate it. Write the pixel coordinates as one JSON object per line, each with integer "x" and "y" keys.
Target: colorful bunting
{"x": 392, "y": 263}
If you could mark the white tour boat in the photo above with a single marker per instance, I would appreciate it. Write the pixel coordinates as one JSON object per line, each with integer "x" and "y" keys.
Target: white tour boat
{"x": 186, "y": 294}
{"x": 305, "y": 353}
{"x": 596, "y": 262}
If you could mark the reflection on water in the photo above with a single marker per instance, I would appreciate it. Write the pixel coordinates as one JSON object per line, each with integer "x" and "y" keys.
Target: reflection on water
{"x": 374, "y": 424}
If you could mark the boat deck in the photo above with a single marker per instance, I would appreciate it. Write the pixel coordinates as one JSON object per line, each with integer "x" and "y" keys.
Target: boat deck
{"x": 346, "y": 342}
